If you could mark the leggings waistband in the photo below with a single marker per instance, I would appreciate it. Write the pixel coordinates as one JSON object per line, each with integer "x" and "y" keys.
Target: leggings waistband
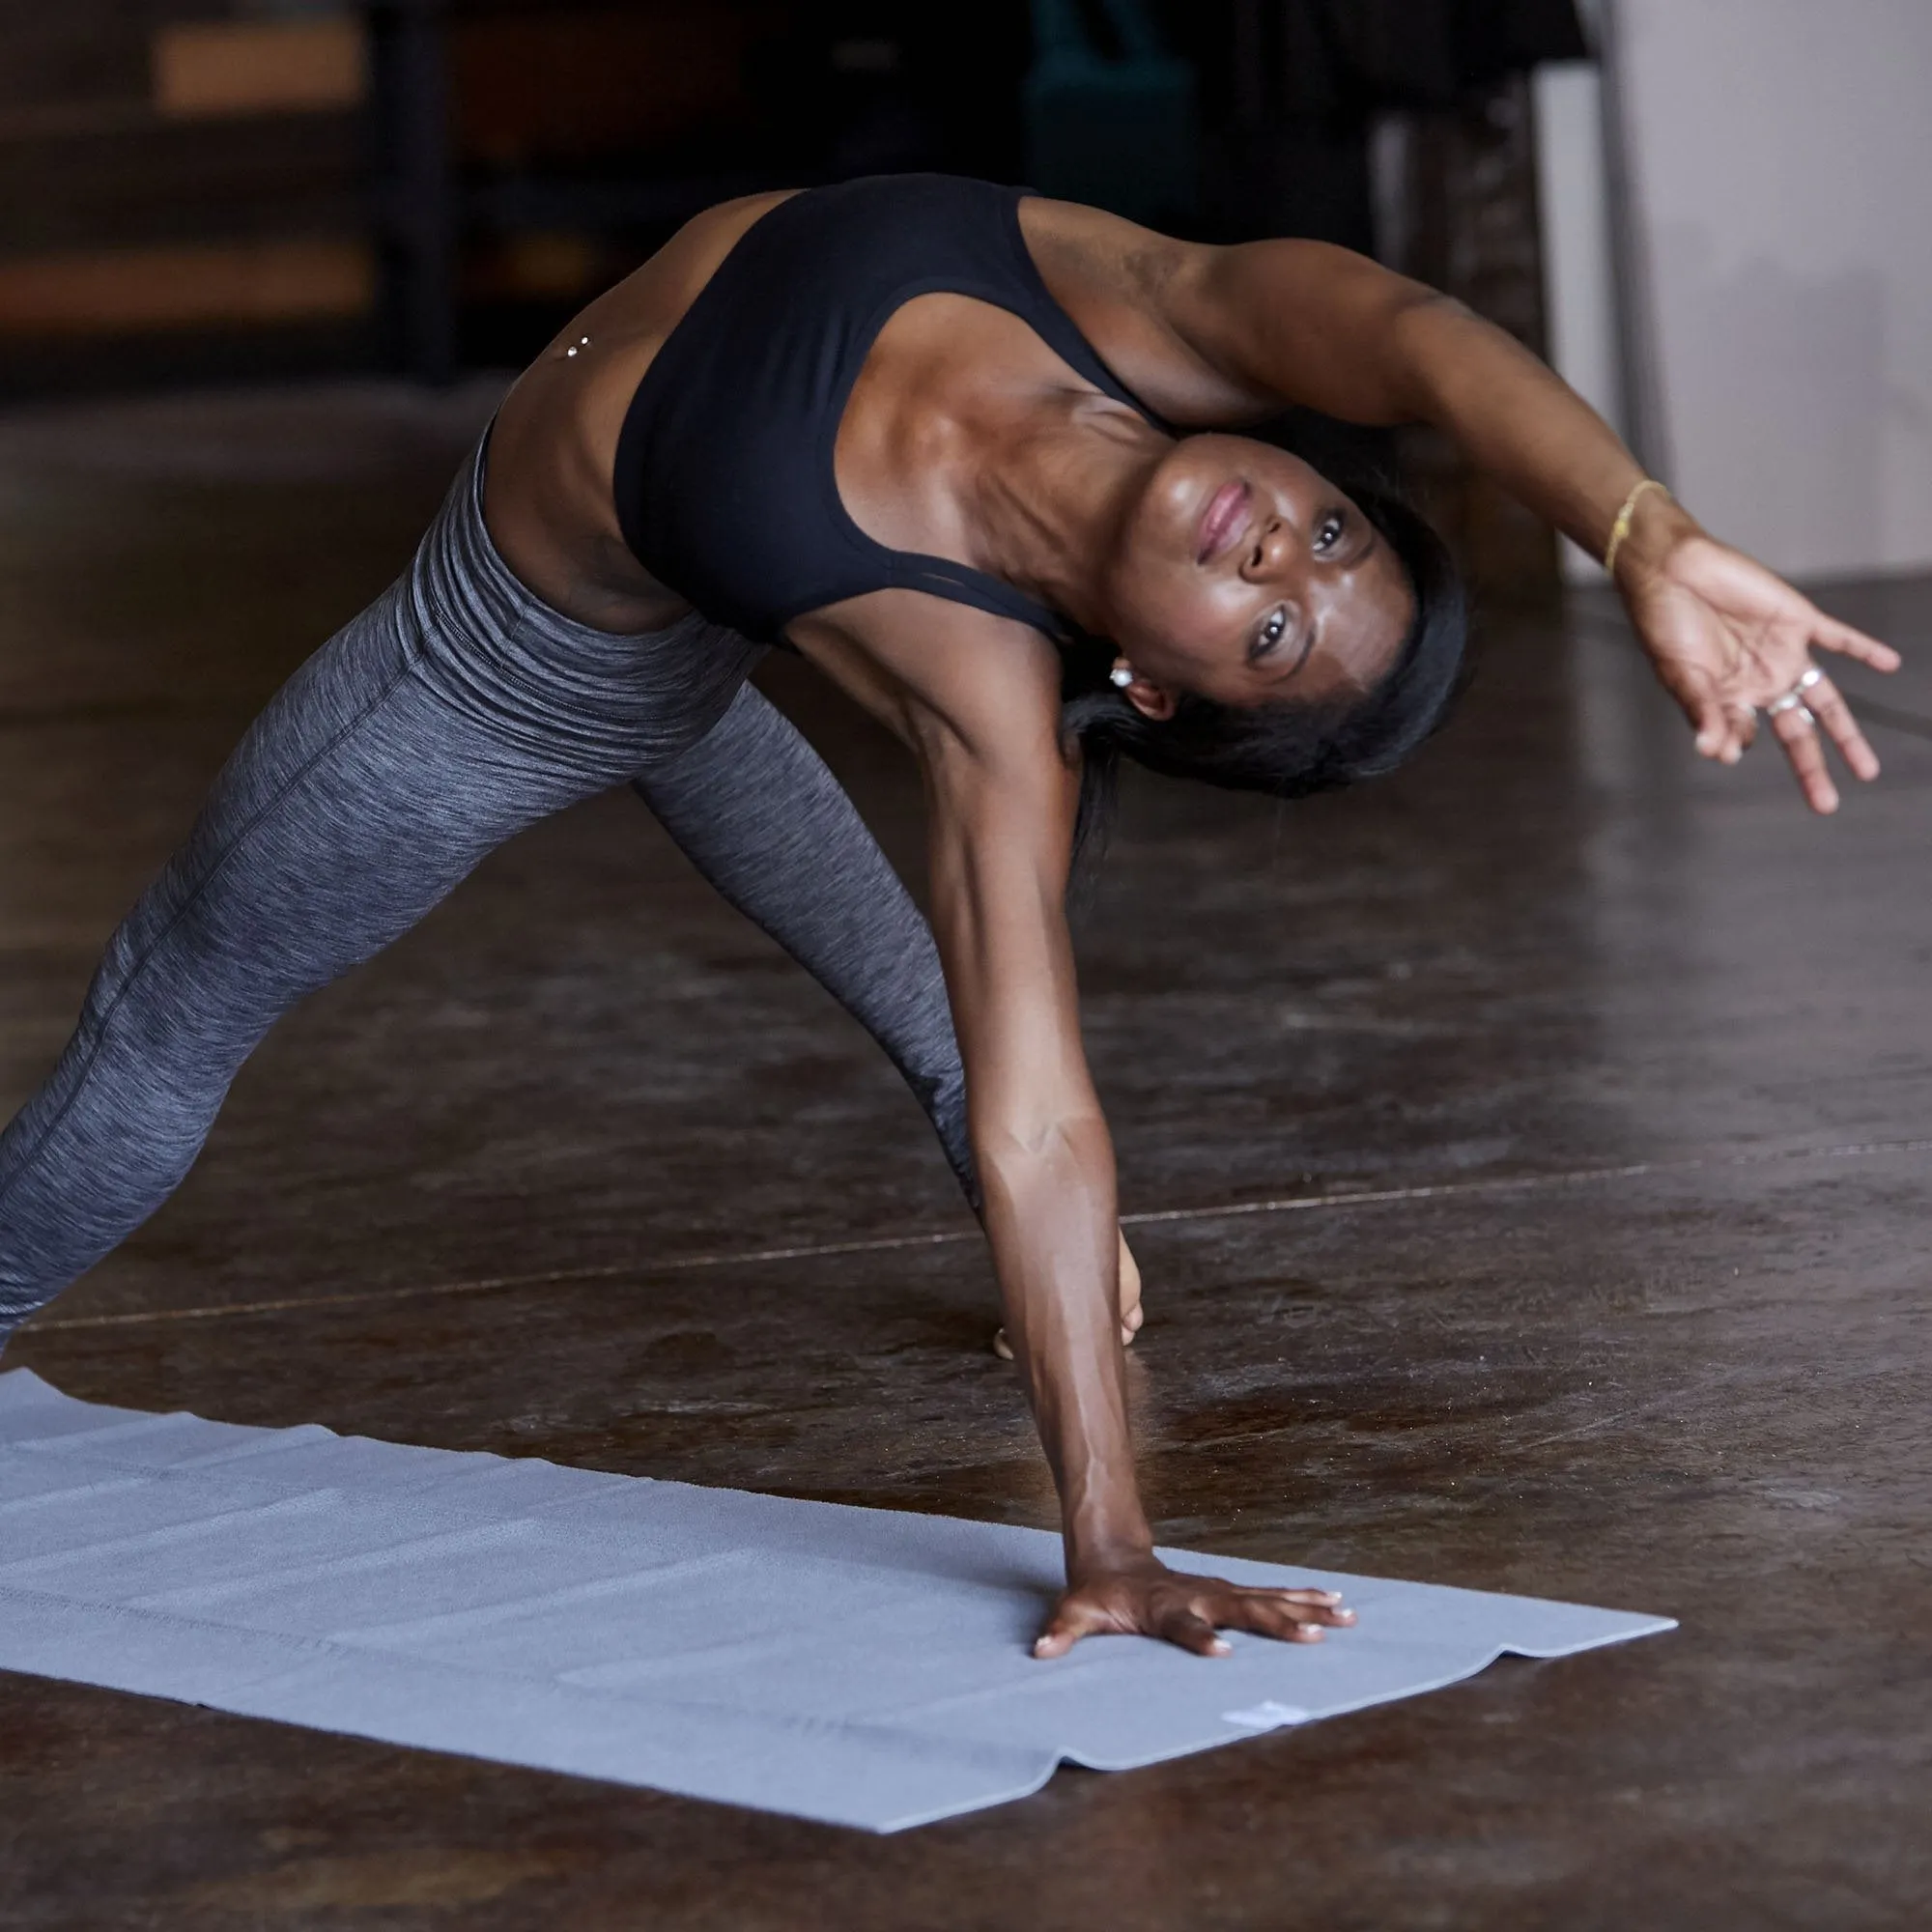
{"x": 498, "y": 653}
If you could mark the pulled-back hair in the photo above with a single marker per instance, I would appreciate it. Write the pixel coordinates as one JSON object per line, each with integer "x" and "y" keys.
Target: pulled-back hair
{"x": 1286, "y": 748}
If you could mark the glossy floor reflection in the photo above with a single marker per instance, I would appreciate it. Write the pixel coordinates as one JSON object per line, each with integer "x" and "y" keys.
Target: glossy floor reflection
{"x": 1530, "y": 1151}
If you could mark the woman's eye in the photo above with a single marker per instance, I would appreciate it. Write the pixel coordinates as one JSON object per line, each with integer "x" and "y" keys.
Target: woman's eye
{"x": 1272, "y": 633}
{"x": 1329, "y": 532}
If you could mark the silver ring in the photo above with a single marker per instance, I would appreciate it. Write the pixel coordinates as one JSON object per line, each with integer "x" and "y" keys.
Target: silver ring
{"x": 1794, "y": 698}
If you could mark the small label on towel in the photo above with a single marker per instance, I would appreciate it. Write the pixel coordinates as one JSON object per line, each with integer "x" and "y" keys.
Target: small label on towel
{"x": 1268, "y": 1716}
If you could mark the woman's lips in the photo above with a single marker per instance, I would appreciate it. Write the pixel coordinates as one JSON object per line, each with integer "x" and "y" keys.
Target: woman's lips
{"x": 1226, "y": 512}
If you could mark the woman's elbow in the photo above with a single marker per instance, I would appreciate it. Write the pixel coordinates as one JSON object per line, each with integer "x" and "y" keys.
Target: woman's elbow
{"x": 1019, "y": 1154}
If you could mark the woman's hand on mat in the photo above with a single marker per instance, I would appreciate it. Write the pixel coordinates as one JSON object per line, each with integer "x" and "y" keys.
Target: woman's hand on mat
{"x": 1131, "y": 1316}
{"x": 1729, "y": 638}
{"x": 1145, "y": 1598}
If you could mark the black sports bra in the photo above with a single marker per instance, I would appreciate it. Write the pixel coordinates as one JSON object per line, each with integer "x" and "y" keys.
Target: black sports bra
{"x": 724, "y": 484}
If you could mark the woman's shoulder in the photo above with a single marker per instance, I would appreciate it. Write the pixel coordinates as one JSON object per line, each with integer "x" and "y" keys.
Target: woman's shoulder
{"x": 1098, "y": 250}
{"x": 1123, "y": 286}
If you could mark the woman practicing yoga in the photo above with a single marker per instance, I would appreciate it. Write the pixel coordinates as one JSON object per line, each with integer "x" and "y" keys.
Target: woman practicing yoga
{"x": 976, "y": 456}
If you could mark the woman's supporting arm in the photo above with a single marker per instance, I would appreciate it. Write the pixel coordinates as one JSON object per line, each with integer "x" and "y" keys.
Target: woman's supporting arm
{"x": 1000, "y": 842}
{"x": 1003, "y": 801}
{"x": 753, "y": 808}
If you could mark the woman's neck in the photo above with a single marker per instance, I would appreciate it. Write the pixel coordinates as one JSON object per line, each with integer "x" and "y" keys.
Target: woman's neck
{"x": 1049, "y": 491}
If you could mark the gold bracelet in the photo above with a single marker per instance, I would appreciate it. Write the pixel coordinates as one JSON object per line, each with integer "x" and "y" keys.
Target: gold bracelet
{"x": 1620, "y": 529}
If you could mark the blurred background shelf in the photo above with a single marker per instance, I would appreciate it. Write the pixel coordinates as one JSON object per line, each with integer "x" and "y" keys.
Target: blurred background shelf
{"x": 182, "y": 196}
{"x": 228, "y": 189}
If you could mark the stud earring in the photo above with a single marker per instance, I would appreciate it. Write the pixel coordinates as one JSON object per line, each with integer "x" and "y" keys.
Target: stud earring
{"x": 1121, "y": 676}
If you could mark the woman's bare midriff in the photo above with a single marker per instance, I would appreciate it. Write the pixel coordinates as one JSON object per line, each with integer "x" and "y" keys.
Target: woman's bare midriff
{"x": 547, "y": 497}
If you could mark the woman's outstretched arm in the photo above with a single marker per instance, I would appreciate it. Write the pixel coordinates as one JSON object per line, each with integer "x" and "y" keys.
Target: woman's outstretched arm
{"x": 1727, "y": 637}
{"x": 1224, "y": 335}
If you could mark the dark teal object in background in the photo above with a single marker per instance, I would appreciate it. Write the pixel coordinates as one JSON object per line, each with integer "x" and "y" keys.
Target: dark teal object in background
{"x": 1110, "y": 114}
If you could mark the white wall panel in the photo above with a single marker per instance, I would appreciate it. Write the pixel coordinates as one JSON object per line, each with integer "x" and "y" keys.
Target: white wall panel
{"x": 1780, "y": 155}
{"x": 1578, "y": 298}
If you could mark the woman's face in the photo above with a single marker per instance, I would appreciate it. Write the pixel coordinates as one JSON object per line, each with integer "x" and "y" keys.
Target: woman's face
{"x": 1246, "y": 577}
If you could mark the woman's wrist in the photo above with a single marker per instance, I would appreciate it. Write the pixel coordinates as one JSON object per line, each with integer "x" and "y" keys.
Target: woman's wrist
{"x": 1108, "y": 1533}
{"x": 1110, "y": 1559}
{"x": 1658, "y": 523}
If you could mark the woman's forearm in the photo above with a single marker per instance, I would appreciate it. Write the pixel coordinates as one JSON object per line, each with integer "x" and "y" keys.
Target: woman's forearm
{"x": 1050, "y": 1217}
{"x": 1730, "y": 642}
{"x": 1518, "y": 421}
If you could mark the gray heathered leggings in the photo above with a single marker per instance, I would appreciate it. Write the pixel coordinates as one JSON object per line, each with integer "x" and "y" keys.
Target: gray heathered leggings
{"x": 452, "y": 713}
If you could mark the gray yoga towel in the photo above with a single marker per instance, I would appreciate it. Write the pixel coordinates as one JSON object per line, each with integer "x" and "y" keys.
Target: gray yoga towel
{"x": 860, "y": 1666}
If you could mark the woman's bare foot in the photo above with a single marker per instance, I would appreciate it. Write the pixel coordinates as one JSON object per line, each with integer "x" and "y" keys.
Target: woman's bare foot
{"x": 1131, "y": 1315}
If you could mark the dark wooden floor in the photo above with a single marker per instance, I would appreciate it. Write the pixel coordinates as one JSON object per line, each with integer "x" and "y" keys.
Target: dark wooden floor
{"x": 1591, "y": 1091}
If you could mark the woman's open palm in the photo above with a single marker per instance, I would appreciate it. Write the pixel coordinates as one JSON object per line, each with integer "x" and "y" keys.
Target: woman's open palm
{"x": 1729, "y": 637}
